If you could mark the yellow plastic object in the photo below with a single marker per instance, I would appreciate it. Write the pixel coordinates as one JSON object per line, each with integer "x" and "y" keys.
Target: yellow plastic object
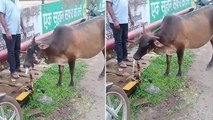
{"x": 130, "y": 85}
{"x": 22, "y": 96}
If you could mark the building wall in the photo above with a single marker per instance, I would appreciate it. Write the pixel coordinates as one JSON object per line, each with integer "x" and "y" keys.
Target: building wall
{"x": 151, "y": 11}
{"x": 40, "y": 19}
{"x": 43, "y": 18}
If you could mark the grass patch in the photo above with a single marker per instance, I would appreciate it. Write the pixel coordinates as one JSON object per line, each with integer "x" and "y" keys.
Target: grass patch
{"x": 155, "y": 74}
{"x": 58, "y": 94}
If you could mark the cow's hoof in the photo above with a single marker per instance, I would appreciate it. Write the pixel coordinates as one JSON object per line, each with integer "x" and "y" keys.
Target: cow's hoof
{"x": 58, "y": 84}
{"x": 179, "y": 75}
{"x": 101, "y": 76}
{"x": 209, "y": 67}
{"x": 71, "y": 84}
{"x": 166, "y": 74}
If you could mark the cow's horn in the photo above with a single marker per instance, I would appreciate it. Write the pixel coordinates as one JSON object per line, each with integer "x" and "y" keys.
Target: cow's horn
{"x": 144, "y": 30}
{"x": 33, "y": 40}
{"x": 143, "y": 25}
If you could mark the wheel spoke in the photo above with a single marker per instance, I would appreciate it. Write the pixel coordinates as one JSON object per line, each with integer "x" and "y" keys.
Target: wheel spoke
{"x": 2, "y": 112}
{"x": 112, "y": 113}
{"x": 119, "y": 107}
{"x": 13, "y": 116}
{"x": 108, "y": 116}
{"x": 109, "y": 101}
{"x": 1, "y": 118}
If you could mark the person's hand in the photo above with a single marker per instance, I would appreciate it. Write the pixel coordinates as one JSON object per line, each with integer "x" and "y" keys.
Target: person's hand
{"x": 116, "y": 24}
{"x": 9, "y": 35}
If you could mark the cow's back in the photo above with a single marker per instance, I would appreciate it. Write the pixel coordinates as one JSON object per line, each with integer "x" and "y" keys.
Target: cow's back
{"x": 198, "y": 27}
{"x": 88, "y": 38}
{"x": 191, "y": 30}
{"x": 170, "y": 29}
{"x": 80, "y": 41}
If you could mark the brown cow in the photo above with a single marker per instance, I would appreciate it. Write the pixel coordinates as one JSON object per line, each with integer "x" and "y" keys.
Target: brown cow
{"x": 67, "y": 44}
{"x": 178, "y": 33}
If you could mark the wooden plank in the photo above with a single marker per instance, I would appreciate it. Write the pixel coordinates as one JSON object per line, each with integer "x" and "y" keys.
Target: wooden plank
{"x": 130, "y": 85}
{"x": 22, "y": 96}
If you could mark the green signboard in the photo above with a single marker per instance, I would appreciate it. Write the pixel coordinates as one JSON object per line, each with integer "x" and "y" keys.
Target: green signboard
{"x": 59, "y": 13}
{"x": 161, "y": 8}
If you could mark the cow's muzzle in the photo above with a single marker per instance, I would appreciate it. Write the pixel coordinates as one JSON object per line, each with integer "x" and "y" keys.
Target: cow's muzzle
{"x": 136, "y": 57}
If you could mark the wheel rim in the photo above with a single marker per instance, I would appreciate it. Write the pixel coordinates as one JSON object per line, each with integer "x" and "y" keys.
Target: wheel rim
{"x": 8, "y": 111}
{"x": 117, "y": 103}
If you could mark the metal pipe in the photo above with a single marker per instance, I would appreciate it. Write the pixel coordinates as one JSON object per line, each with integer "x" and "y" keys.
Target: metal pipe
{"x": 25, "y": 44}
{"x": 137, "y": 32}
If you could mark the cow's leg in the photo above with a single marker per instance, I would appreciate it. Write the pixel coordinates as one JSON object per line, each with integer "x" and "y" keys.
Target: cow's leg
{"x": 71, "y": 67}
{"x": 103, "y": 71}
{"x": 209, "y": 66}
{"x": 180, "y": 60}
{"x": 60, "y": 71}
{"x": 168, "y": 62}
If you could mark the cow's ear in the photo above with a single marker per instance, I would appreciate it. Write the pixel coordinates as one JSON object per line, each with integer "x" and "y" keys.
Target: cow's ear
{"x": 43, "y": 46}
{"x": 154, "y": 37}
{"x": 158, "y": 44}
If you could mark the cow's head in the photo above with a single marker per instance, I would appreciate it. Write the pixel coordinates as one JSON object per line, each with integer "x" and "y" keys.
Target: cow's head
{"x": 34, "y": 53}
{"x": 147, "y": 43}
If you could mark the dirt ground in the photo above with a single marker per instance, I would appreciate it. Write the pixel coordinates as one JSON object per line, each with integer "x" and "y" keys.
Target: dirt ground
{"x": 89, "y": 104}
{"x": 120, "y": 76}
{"x": 14, "y": 87}
{"x": 95, "y": 89}
{"x": 194, "y": 101}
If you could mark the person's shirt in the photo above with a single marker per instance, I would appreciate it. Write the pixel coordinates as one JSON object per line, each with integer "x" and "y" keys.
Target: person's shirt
{"x": 120, "y": 9}
{"x": 12, "y": 14}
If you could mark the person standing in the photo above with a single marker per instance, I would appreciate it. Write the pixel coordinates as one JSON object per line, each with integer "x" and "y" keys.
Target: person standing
{"x": 10, "y": 18}
{"x": 119, "y": 12}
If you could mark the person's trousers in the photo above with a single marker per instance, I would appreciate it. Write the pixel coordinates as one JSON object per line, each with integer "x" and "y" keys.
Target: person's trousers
{"x": 120, "y": 36}
{"x": 13, "y": 51}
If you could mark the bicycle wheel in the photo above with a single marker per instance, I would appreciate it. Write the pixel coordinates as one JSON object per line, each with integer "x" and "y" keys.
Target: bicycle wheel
{"x": 10, "y": 109}
{"x": 117, "y": 100}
